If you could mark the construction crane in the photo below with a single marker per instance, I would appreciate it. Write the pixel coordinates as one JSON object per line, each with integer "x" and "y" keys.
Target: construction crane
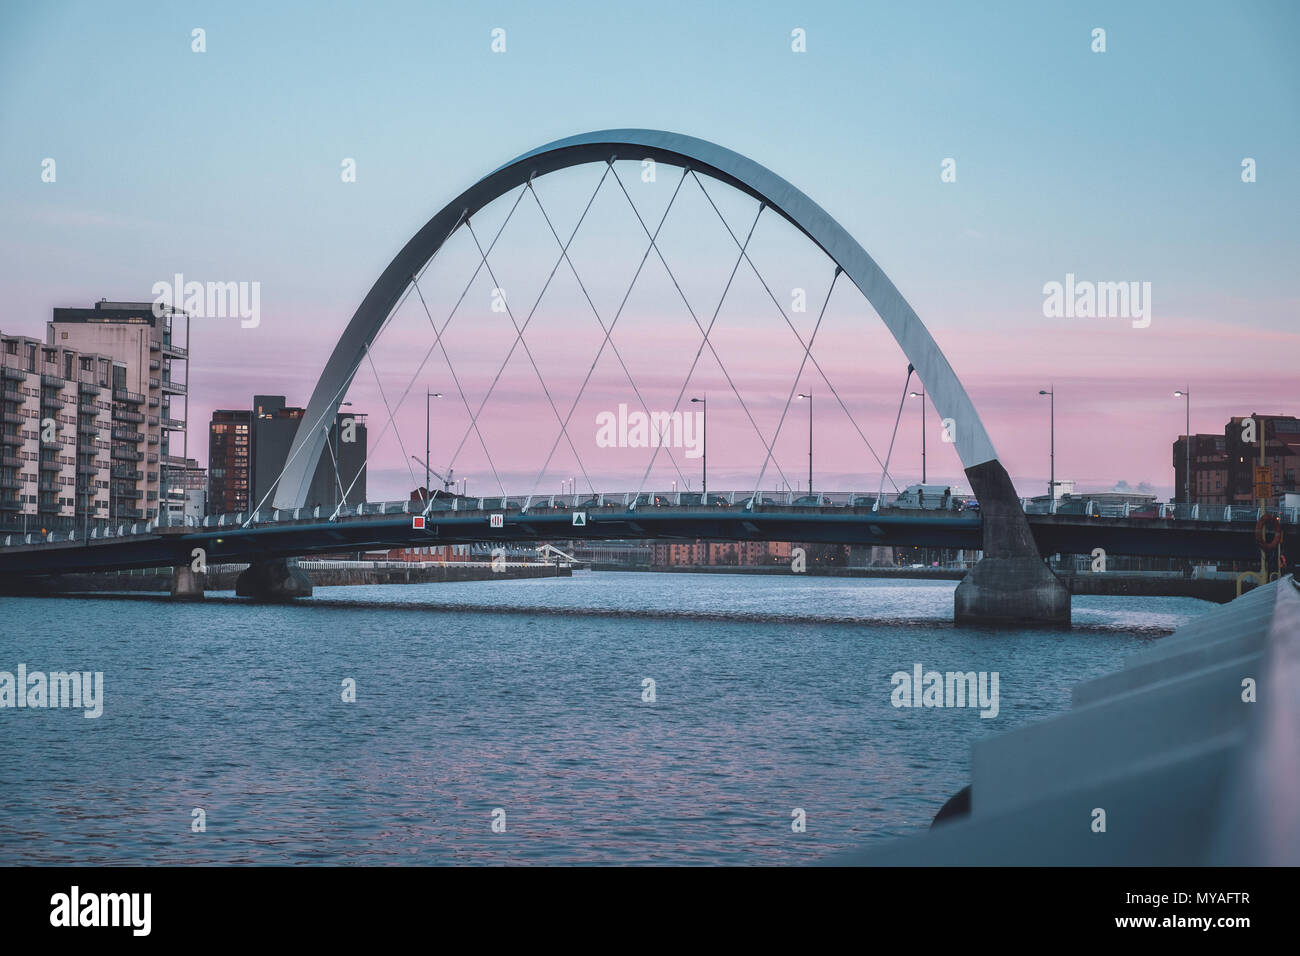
{"x": 447, "y": 480}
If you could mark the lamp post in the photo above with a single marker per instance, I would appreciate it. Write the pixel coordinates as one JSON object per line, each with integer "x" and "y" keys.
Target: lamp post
{"x": 921, "y": 396}
{"x": 1051, "y": 482}
{"x": 428, "y": 395}
{"x": 810, "y": 437}
{"x": 1186, "y": 396}
{"x": 704, "y": 440}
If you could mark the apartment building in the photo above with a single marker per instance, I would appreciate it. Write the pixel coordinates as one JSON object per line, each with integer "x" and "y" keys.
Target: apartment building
{"x": 55, "y": 424}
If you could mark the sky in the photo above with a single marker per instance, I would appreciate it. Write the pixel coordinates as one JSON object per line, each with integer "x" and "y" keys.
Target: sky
{"x": 1115, "y": 166}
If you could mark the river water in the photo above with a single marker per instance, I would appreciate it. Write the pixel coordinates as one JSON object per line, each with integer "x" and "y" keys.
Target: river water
{"x": 519, "y": 703}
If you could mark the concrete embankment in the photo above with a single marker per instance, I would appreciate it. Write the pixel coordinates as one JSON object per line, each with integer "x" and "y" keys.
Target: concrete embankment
{"x": 222, "y": 578}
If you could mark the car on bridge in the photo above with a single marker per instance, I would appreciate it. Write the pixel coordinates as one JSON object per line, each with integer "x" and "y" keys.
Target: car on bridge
{"x": 812, "y": 501}
{"x": 652, "y": 501}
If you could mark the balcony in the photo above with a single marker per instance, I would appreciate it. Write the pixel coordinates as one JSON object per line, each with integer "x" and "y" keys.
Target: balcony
{"x": 175, "y": 461}
{"x": 134, "y": 494}
{"x": 52, "y": 381}
{"x": 90, "y": 387}
{"x": 122, "y": 415}
{"x": 175, "y": 351}
{"x": 153, "y": 401}
{"x": 175, "y": 388}
{"x": 125, "y": 434}
{"x": 152, "y": 458}
{"x": 87, "y": 468}
{"x": 49, "y": 487}
{"x": 152, "y": 439}
{"x": 88, "y": 428}
{"x": 127, "y": 474}
{"x": 154, "y": 345}
{"x": 11, "y": 461}
{"x": 54, "y": 400}
{"x": 153, "y": 419}
{"x": 13, "y": 482}
{"x": 10, "y": 394}
{"x": 122, "y": 395}
{"x": 48, "y": 464}
{"x": 127, "y": 454}
{"x": 15, "y": 374}
{"x": 12, "y": 418}
{"x": 154, "y": 364}
{"x": 47, "y": 504}
{"x": 154, "y": 383}
{"x": 173, "y": 424}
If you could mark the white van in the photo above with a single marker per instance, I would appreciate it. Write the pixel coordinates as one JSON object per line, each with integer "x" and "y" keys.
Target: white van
{"x": 925, "y": 498}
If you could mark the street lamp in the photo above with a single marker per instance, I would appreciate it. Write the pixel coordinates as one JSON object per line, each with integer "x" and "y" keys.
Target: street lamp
{"x": 1186, "y": 396}
{"x": 1051, "y": 485}
{"x": 704, "y": 440}
{"x": 810, "y": 436}
{"x": 921, "y": 396}
{"x": 427, "y": 396}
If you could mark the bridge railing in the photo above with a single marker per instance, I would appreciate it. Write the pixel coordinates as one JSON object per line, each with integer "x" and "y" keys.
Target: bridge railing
{"x": 65, "y": 531}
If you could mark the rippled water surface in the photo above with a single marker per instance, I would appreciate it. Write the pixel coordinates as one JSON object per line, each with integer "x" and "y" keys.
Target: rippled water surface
{"x": 771, "y": 693}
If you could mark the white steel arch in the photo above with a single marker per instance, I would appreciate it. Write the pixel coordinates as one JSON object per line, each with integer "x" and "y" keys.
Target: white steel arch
{"x": 942, "y": 385}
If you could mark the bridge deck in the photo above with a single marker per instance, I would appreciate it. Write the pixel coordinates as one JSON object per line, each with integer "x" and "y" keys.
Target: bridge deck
{"x": 296, "y": 537}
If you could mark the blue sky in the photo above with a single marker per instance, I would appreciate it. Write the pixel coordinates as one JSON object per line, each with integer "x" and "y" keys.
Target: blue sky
{"x": 1116, "y": 166}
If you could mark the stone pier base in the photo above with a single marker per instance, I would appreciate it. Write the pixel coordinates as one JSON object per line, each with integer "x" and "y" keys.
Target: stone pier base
{"x": 1011, "y": 591}
{"x": 1010, "y": 584}
{"x": 276, "y": 579}
{"x": 187, "y": 584}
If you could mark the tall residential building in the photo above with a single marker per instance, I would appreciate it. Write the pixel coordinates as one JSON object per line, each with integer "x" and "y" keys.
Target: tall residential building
{"x": 247, "y": 451}
{"x": 55, "y": 422}
{"x": 228, "y": 456}
{"x": 150, "y": 395}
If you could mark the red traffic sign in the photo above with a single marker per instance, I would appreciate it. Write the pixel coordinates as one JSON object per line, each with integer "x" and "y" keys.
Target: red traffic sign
{"x": 417, "y": 522}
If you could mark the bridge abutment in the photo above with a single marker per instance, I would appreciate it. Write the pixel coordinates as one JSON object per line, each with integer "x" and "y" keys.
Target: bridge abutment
{"x": 187, "y": 584}
{"x": 1011, "y": 584}
{"x": 273, "y": 579}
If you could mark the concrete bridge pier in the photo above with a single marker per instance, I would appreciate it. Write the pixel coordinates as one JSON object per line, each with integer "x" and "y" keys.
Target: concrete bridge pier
{"x": 273, "y": 579}
{"x": 187, "y": 584}
{"x": 1011, "y": 584}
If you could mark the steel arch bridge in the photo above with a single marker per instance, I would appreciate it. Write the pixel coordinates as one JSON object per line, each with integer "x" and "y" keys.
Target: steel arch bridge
{"x": 1010, "y": 584}
{"x": 971, "y": 439}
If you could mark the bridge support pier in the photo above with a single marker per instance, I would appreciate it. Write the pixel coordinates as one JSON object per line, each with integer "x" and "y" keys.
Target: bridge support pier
{"x": 187, "y": 584}
{"x": 1011, "y": 584}
{"x": 273, "y": 579}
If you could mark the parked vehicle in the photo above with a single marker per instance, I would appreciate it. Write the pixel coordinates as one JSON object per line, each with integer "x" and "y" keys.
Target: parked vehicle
{"x": 654, "y": 501}
{"x": 812, "y": 501}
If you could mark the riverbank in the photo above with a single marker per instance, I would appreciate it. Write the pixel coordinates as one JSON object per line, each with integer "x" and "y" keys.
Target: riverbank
{"x": 323, "y": 574}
